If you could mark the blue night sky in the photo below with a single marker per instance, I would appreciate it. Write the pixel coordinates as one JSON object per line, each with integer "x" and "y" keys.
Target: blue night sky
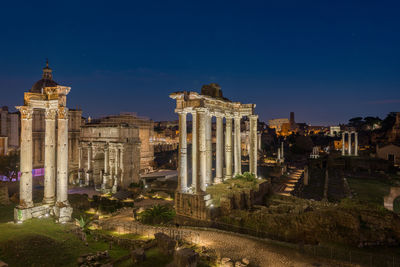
{"x": 327, "y": 61}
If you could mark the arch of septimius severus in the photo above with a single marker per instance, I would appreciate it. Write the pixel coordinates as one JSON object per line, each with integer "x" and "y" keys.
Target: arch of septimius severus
{"x": 53, "y": 101}
{"x": 191, "y": 199}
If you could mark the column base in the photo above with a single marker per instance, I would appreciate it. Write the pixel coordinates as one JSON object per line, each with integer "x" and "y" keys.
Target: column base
{"x": 217, "y": 180}
{"x": 62, "y": 212}
{"x": 49, "y": 201}
{"x": 22, "y": 214}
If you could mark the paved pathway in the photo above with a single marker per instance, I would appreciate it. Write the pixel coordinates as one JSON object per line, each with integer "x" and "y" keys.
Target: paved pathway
{"x": 235, "y": 246}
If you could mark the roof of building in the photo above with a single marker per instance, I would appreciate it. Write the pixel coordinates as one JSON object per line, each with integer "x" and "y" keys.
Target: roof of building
{"x": 46, "y": 81}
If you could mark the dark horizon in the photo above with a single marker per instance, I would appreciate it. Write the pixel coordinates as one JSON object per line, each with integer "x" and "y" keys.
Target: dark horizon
{"x": 327, "y": 62}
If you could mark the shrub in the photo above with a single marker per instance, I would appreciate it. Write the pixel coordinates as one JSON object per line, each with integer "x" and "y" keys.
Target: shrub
{"x": 158, "y": 214}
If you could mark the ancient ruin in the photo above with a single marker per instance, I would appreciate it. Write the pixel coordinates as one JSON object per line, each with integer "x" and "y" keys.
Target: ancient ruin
{"x": 191, "y": 198}
{"x": 109, "y": 156}
{"x": 53, "y": 101}
{"x": 349, "y": 143}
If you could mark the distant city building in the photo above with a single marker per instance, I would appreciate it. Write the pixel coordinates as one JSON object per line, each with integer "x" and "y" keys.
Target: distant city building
{"x": 277, "y": 123}
{"x": 9, "y": 127}
{"x": 395, "y": 133}
{"x": 334, "y": 130}
{"x": 389, "y": 152}
{"x": 3, "y": 145}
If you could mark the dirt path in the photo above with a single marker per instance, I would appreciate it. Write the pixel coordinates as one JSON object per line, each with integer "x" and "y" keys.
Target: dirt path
{"x": 235, "y": 246}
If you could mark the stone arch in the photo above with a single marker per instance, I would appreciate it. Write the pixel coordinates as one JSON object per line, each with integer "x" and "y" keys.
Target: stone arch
{"x": 389, "y": 199}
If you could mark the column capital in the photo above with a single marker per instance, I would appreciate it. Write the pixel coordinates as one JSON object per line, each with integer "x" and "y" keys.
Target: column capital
{"x": 62, "y": 113}
{"x": 50, "y": 113}
{"x": 237, "y": 115}
{"x": 253, "y": 116}
{"x": 219, "y": 115}
{"x": 182, "y": 111}
{"x": 26, "y": 112}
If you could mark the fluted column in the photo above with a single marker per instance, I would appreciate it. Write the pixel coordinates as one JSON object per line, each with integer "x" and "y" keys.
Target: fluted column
{"x": 182, "y": 179}
{"x": 50, "y": 156}
{"x": 202, "y": 147}
{"x": 349, "y": 145}
{"x": 106, "y": 159}
{"x": 219, "y": 149}
{"x": 237, "y": 150}
{"x": 356, "y": 144}
{"x": 343, "y": 143}
{"x": 25, "y": 184}
{"x": 228, "y": 147}
{"x": 122, "y": 166}
{"x": 253, "y": 145}
{"x": 62, "y": 157}
{"x": 209, "y": 149}
{"x": 194, "y": 151}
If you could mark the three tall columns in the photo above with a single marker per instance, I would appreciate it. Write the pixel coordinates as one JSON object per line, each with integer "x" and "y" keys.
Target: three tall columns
{"x": 50, "y": 156}
{"x": 349, "y": 145}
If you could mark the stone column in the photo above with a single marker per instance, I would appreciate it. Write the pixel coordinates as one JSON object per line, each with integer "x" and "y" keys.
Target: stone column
{"x": 253, "y": 145}
{"x": 209, "y": 149}
{"x": 62, "y": 157}
{"x": 25, "y": 184}
{"x": 282, "y": 152}
{"x": 121, "y": 166}
{"x": 194, "y": 150}
{"x": 349, "y": 145}
{"x": 219, "y": 149}
{"x": 237, "y": 150}
{"x": 356, "y": 144}
{"x": 343, "y": 145}
{"x": 89, "y": 164}
{"x": 106, "y": 159}
{"x": 182, "y": 175}
{"x": 259, "y": 141}
{"x": 279, "y": 154}
{"x": 228, "y": 147}
{"x": 202, "y": 147}
{"x": 50, "y": 156}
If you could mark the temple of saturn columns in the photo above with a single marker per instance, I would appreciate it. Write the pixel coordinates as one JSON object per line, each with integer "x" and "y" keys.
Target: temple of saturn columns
{"x": 350, "y": 151}
{"x": 53, "y": 101}
{"x": 191, "y": 198}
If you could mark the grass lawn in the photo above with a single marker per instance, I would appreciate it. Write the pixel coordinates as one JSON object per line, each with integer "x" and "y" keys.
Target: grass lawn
{"x": 371, "y": 191}
{"x": 41, "y": 242}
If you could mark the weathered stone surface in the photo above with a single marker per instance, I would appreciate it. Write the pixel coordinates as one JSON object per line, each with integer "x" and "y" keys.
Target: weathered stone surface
{"x": 165, "y": 243}
{"x": 246, "y": 261}
{"x": 185, "y": 257}
{"x": 227, "y": 262}
{"x": 63, "y": 214}
{"x": 138, "y": 255}
{"x": 3, "y": 264}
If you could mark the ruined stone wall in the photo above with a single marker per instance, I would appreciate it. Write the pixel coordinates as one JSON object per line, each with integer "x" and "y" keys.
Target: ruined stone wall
{"x": 245, "y": 199}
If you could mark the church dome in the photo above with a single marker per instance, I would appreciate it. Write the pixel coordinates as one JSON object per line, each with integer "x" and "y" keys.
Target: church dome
{"x": 46, "y": 81}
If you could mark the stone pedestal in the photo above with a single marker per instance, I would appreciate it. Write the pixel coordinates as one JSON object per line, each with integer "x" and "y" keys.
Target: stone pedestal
{"x": 22, "y": 214}
{"x": 62, "y": 213}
